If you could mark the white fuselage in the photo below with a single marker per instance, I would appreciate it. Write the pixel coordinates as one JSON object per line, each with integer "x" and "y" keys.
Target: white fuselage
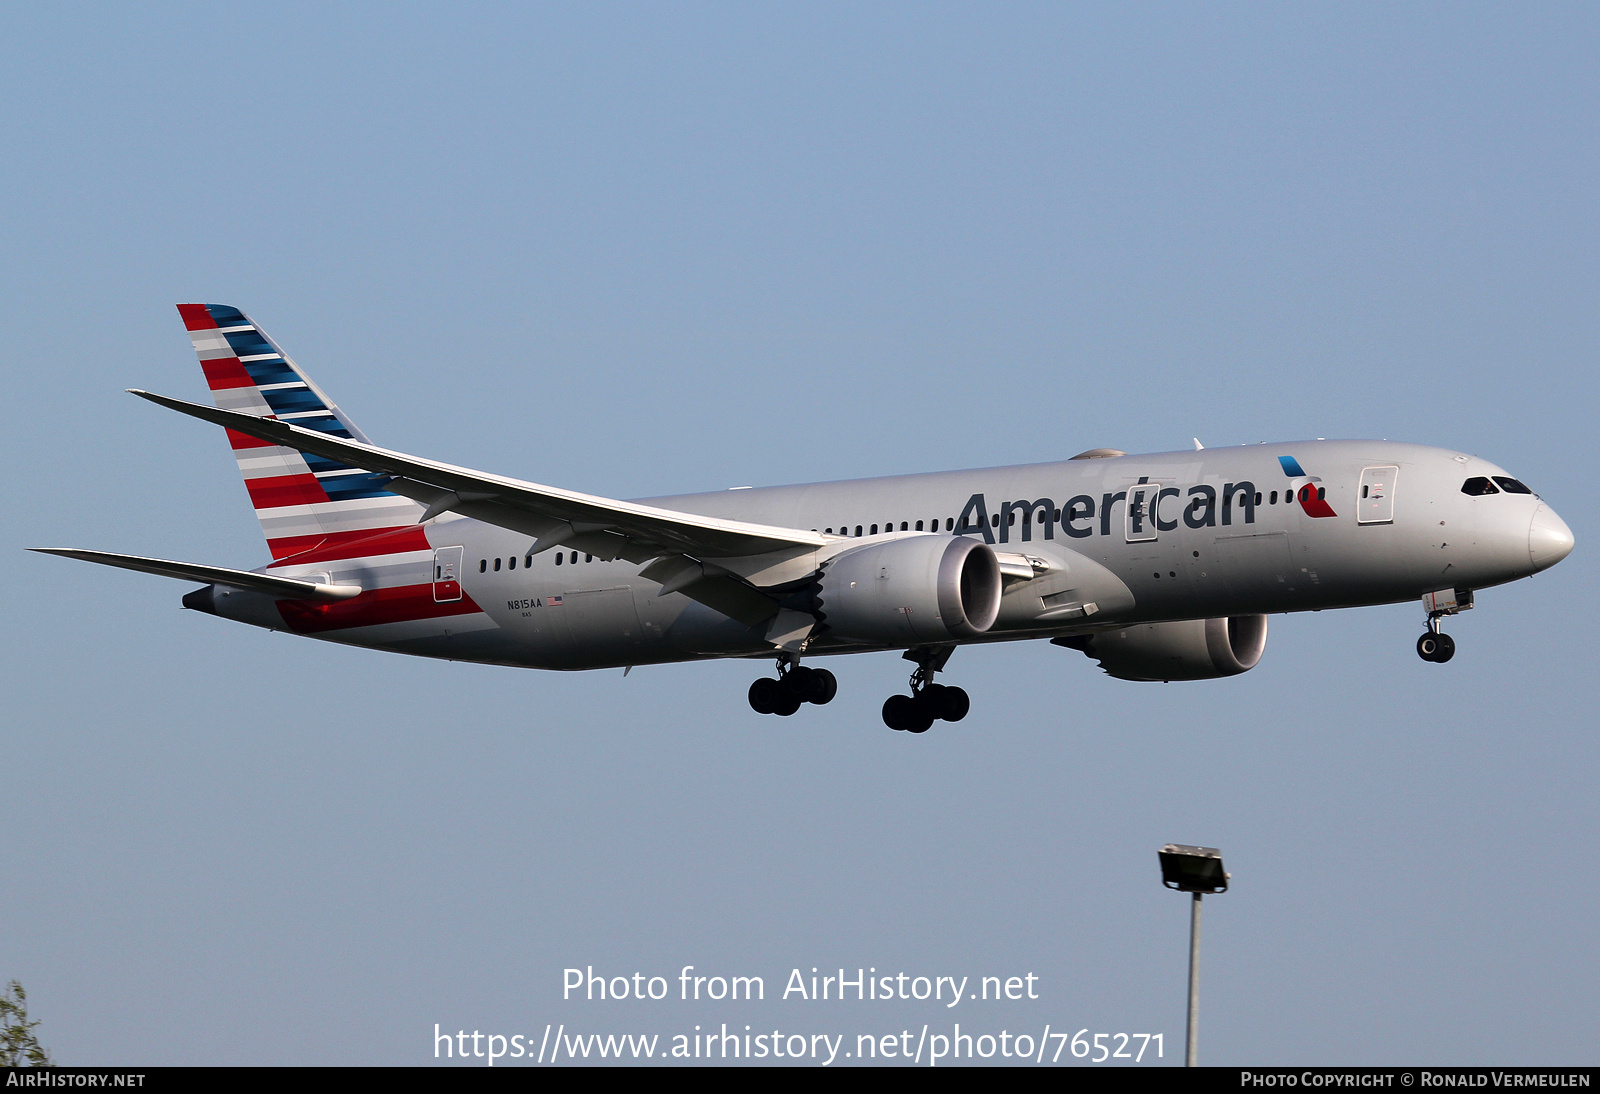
{"x": 1219, "y": 532}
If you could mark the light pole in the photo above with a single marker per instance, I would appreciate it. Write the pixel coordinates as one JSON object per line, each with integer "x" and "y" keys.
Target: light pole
{"x": 1196, "y": 870}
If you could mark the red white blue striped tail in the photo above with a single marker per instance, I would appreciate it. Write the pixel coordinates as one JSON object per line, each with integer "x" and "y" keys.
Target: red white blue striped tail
{"x": 303, "y": 501}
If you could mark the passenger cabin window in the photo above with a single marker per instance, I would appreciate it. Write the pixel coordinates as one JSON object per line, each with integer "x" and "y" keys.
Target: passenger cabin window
{"x": 1510, "y": 485}
{"x": 483, "y": 565}
{"x": 497, "y": 565}
{"x": 1478, "y": 486}
{"x": 574, "y": 559}
{"x": 560, "y": 557}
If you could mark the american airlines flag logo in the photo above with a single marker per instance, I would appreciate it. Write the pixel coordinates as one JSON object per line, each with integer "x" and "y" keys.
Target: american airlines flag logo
{"x": 1310, "y": 495}
{"x": 553, "y": 601}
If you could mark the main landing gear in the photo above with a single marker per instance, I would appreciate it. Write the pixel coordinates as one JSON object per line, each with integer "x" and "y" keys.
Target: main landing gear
{"x": 928, "y": 702}
{"x": 794, "y": 686}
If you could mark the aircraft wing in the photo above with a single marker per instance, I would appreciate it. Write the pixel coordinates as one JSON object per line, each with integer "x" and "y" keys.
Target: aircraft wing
{"x": 211, "y": 575}
{"x": 599, "y": 526}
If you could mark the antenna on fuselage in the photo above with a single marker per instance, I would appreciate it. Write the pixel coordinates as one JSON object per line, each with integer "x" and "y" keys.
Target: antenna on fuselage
{"x": 1198, "y": 447}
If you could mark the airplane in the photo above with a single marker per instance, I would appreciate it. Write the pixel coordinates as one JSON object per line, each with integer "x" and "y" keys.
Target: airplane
{"x": 1159, "y": 567}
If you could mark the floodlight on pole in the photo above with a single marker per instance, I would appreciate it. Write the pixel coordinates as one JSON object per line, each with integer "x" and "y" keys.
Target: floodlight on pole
{"x": 1196, "y": 870}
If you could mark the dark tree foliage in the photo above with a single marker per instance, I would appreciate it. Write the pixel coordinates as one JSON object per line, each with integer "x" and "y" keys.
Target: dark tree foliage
{"x": 18, "y": 1046}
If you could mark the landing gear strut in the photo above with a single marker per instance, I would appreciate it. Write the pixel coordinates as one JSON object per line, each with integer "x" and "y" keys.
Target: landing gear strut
{"x": 795, "y": 685}
{"x": 928, "y": 702}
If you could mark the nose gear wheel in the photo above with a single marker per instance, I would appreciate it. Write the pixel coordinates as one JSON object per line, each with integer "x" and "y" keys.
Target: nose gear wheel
{"x": 1436, "y": 647}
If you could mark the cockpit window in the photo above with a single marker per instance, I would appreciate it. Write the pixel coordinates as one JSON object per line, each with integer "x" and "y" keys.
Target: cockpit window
{"x": 1478, "y": 485}
{"x": 1510, "y": 485}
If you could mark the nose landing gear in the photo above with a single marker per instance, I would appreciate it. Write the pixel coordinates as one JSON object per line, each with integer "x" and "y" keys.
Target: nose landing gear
{"x": 794, "y": 686}
{"x": 928, "y": 702}
{"x": 1435, "y": 645}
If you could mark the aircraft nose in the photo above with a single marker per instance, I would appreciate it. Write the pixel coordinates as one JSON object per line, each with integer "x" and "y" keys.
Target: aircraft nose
{"x": 1549, "y": 538}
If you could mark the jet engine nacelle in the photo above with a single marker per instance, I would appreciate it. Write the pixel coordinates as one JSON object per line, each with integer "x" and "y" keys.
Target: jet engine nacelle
{"x": 1194, "y": 649}
{"x": 914, "y": 590}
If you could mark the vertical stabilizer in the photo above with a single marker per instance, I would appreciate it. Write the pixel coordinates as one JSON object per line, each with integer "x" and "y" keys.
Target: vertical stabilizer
{"x": 303, "y": 501}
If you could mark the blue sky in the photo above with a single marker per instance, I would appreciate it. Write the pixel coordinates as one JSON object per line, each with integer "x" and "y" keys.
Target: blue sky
{"x": 636, "y": 250}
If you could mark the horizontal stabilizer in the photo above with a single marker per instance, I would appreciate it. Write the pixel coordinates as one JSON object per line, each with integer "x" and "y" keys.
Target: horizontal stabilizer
{"x": 213, "y": 575}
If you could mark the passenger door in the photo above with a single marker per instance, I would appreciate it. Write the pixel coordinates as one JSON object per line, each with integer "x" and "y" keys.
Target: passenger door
{"x": 1375, "y": 500}
{"x": 447, "y": 574}
{"x": 1139, "y": 515}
